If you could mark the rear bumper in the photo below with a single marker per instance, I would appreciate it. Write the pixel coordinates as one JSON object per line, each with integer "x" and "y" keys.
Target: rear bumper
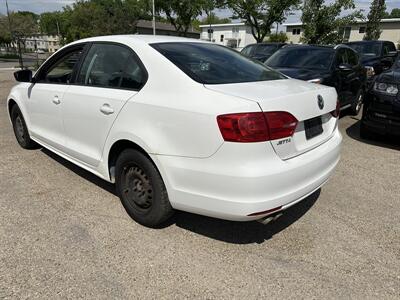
{"x": 242, "y": 179}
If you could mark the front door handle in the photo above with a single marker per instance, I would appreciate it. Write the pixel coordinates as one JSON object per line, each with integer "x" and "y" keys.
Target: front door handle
{"x": 56, "y": 100}
{"x": 106, "y": 109}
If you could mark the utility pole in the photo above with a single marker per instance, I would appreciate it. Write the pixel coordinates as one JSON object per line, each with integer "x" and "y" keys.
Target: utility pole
{"x": 154, "y": 18}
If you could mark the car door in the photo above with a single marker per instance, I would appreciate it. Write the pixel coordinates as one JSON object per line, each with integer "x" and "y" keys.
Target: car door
{"x": 340, "y": 83}
{"x": 45, "y": 96}
{"x": 354, "y": 77}
{"x": 109, "y": 76}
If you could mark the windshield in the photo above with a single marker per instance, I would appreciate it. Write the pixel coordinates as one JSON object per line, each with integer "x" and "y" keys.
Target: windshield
{"x": 215, "y": 64}
{"x": 367, "y": 49}
{"x": 308, "y": 58}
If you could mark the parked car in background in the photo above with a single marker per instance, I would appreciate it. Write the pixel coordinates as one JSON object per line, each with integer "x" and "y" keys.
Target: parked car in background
{"x": 338, "y": 67}
{"x": 261, "y": 51}
{"x": 375, "y": 56}
{"x": 181, "y": 124}
{"x": 381, "y": 114}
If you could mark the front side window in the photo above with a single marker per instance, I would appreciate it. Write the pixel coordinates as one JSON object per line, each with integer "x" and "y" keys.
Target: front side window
{"x": 341, "y": 57}
{"x": 61, "y": 71}
{"x": 352, "y": 57}
{"x": 109, "y": 65}
{"x": 215, "y": 64}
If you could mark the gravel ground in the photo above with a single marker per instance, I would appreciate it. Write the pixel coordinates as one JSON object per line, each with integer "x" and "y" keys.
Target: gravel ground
{"x": 64, "y": 234}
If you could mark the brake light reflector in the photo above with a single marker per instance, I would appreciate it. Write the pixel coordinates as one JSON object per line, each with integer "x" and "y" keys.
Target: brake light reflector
{"x": 335, "y": 113}
{"x": 256, "y": 126}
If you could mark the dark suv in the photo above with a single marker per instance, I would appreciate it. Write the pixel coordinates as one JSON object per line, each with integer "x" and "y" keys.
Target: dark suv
{"x": 261, "y": 51}
{"x": 337, "y": 66}
{"x": 376, "y": 56}
{"x": 381, "y": 114}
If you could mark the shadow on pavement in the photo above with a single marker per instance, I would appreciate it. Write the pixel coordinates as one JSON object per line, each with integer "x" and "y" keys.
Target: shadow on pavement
{"x": 227, "y": 231}
{"x": 382, "y": 141}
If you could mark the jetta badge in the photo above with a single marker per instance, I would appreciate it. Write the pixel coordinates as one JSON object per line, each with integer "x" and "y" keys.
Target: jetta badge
{"x": 320, "y": 102}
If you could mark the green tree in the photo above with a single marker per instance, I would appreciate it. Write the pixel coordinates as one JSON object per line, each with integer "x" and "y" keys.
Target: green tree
{"x": 376, "y": 13}
{"x": 260, "y": 15}
{"x": 279, "y": 37}
{"x": 100, "y": 17}
{"x": 395, "y": 13}
{"x": 322, "y": 22}
{"x": 183, "y": 13}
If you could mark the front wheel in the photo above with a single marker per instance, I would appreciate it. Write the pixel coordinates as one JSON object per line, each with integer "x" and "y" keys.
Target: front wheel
{"x": 358, "y": 102}
{"x": 141, "y": 189}
{"x": 20, "y": 129}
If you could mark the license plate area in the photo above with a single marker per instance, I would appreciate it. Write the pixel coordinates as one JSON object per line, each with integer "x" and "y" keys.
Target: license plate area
{"x": 313, "y": 127}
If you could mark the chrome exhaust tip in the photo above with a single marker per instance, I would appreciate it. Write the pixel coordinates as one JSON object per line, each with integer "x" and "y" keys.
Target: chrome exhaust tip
{"x": 268, "y": 219}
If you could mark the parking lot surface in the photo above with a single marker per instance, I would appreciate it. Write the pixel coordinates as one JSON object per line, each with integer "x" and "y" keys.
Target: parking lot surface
{"x": 64, "y": 234}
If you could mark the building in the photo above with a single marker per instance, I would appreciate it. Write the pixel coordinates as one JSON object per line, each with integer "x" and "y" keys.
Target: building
{"x": 354, "y": 32}
{"x": 234, "y": 35}
{"x": 146, "y": 27}
{"x": 47, "y": 43}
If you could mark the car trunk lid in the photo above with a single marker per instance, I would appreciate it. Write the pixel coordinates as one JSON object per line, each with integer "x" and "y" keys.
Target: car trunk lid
{"x": 315, "y": 122}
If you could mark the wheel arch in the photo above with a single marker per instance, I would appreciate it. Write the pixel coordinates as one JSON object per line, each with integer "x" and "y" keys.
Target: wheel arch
{"x": 117, "y": 148}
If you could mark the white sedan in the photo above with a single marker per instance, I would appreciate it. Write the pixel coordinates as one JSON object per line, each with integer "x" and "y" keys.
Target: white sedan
{"x": 180, "y": 124}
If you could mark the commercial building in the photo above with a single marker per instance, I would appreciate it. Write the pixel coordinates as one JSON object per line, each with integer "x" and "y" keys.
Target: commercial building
{"x": 353, "y": 32}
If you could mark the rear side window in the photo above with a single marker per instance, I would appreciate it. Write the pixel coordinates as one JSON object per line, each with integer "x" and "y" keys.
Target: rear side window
{"x": 111, "y": 66}
{"x": 215, "y": 64}
{"x": 388, "y": 47}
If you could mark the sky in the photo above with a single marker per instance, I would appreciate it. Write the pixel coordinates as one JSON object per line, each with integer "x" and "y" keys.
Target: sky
{"x": 39, "y": 6}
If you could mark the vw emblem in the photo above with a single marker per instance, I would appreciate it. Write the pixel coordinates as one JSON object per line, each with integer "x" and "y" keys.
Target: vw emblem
{"x": 320, "y": 102}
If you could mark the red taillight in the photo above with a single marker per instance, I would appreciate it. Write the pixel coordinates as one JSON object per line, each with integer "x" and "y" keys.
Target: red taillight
{"x": 281, "y": 124}
{"x": 256, "y": 126}
{"x": 243, "y": 127}
{"x": 335, "y": 113}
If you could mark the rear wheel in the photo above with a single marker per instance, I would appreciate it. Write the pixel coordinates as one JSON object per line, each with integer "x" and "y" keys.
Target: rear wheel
{"x": 358, "y": 102}
{"x": 141, "y": 189}
{"x": 20, "y": 129}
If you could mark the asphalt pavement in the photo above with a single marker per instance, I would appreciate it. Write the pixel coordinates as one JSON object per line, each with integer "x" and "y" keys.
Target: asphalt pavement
{"x": 64, "y": 234}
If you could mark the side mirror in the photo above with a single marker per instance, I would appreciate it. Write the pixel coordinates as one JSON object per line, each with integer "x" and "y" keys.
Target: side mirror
{"x": 345, "y": 67}
{"x": 23, "y": 75}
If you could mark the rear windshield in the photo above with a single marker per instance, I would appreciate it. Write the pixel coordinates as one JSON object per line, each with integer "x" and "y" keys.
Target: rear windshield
{"x": 215, "y": 64}
{"x": 307, "y": 58}
{"x": 367, "y": 49}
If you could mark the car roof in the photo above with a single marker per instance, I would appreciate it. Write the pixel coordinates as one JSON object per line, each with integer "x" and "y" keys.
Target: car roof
{"x": 365, "y": 42}
{"x": 140, "y": 38}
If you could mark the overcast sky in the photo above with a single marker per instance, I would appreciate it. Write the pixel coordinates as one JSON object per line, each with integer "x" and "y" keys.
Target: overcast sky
{"x": 39, "y": 6}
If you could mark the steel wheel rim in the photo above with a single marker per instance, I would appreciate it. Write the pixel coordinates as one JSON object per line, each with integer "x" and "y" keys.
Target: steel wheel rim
{"x": 137, "y": 188}
{"x": 19, "y": 128}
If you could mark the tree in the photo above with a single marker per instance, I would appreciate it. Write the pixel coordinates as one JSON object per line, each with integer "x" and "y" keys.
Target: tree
{"x": 182, "y": 13}
{"x": 280, "y": 37}
{"x": 376, "y": 13}
{"x": 394, "y": 14}
{"x": 322, "y": 22}
{"x": 95, "y": 17}
{"x": 260, "y": 15}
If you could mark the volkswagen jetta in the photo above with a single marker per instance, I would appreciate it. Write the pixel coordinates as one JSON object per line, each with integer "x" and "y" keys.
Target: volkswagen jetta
{"x": 180, "y": 124}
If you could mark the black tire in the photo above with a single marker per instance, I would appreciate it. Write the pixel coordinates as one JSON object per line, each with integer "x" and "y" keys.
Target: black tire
{"x": 141, "y": 189}
{"x": 358, "y": 102}
{"x": 20, "y": 129}
{"x": 365, "y": 133}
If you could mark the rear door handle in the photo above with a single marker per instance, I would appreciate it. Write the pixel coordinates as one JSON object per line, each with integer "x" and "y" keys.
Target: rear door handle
{"x": 56, "y": 100}
{"x": 106, "y": 109}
